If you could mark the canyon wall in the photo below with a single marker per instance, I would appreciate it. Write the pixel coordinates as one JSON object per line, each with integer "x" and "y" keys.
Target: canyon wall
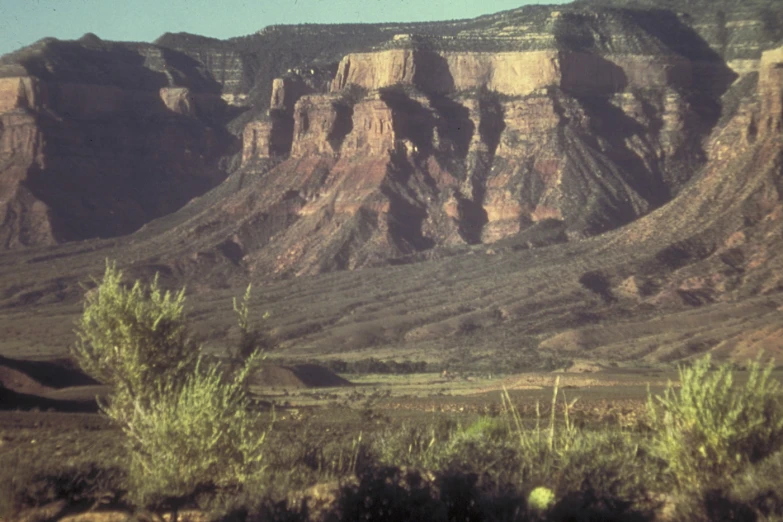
{"x": 583, "y": 118}
{"x": 98, "y": 152}
{"x": 771, "y": 90}
{"x": 420, "y": 148}
{"x": 511, "y": 73}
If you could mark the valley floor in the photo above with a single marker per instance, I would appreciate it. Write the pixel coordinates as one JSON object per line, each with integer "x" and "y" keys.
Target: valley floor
{"x": 395, "y": 438}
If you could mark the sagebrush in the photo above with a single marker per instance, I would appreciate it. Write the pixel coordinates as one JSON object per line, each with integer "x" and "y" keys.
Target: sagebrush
{"x": 188, "y": 422}
{"x": 711, "y": 428}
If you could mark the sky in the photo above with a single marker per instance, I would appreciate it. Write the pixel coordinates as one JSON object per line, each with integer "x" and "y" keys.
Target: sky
{"x": 22, "y": 22}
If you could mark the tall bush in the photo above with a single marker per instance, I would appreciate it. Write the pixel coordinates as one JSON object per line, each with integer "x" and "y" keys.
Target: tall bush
{"x": 189, "y": 424}
{"x": 134, "y": 337}
{"x": 200, "y": 435}
{"x": 711, "y": 428}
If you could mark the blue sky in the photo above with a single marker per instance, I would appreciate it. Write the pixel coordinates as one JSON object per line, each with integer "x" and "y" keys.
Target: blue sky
{"x": 24, "y": 21}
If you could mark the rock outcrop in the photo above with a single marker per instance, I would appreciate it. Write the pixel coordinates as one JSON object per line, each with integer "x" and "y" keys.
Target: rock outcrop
{"x": 511, "y": 73}
{"x": 97, "y": 152}
{"x": 416, "y": 148}
{"x": 771, "y": 90}
{"x": 580, "y": 118}
{"x": 458, "y": 149}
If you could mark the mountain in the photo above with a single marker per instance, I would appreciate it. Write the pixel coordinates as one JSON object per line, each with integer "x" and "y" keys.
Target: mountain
{"x": 600, "y": 179}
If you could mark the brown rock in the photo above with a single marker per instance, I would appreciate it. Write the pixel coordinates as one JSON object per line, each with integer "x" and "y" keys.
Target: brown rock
{"x": 258, "y": 140}
{"x": 319, "y": 126}
{"x": 179, "y": 100}
{"x": 19, "y": 93}
{"x": 771, "y": 91}
{"x": 373, "y": 129}
{"x": 511, "y": 73}
{"x": 287, "y": 91}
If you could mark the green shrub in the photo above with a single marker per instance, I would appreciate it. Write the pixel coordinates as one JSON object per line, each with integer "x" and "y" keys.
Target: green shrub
{"x": 759, "y": 487}
{"x": 196, "y": 436}
{"x": 408, "y": 445}
{"x": 133, "y": 338}
{"x": 188, "y": 424}
{"x": 492, "y": 428}
{"x": 711, "y": 428}
{"x": 541, "y": 499}
{"x": 473, "y": 452}
{"x": 253, "y": 340}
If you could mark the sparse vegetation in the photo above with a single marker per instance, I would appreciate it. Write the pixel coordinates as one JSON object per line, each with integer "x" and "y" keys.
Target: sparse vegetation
{"x": 545, "y": 463}
{"x": 196, "y": 439}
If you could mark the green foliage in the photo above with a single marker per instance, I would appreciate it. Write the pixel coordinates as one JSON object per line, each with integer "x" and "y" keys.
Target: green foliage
{"x": 712, "y": 428}
{"x": 604, "y": 464}
{"x": 253, "y": 341}
{"x": 541, "y": 499}
{"x": 759, "y": 487}
{"x": 408, "y": 445}
{"x": 197, "y": 435}
{"x": 491, "y": 428}
{"x": 132, "y": 338}
{"x": 188, "y": 425}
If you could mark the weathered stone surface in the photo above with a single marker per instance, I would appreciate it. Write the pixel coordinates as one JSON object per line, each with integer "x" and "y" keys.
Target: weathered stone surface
{"x": 771, "y": 90}
{"x": 179, "y": 100}
{"x": 510, "y": 73}
{"x": 287, "y": 91}
{"x": 319, "y": 126}
{"x": 19, "y": 93}
{"x": 257, "y": 140}
{"x": 100, "y": 150}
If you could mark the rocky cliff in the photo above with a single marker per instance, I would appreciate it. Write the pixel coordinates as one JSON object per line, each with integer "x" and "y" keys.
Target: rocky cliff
{"x": 98, "y": 138}
{"x": 413, "y": 137}
{"x": 461, "y": 147}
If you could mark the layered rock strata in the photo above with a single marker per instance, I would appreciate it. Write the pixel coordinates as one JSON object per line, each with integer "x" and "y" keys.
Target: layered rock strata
{"x": 511, "y": 73}
{"x": 459, "y": 148}
{"x": 94, "y": 154}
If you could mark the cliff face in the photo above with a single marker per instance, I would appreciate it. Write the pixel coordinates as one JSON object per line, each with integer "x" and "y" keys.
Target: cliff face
{"x": 771, "y": 91}
{"x": 582, "y": 118}
{"x": 99, "y": 151}
{"x": 417, "y": 148}
{"x": 458, "y": 148}
{"x": 511, "y": 73}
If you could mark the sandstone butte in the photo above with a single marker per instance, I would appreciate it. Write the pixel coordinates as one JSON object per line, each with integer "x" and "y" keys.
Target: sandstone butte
{"x": 511, "y": 146}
